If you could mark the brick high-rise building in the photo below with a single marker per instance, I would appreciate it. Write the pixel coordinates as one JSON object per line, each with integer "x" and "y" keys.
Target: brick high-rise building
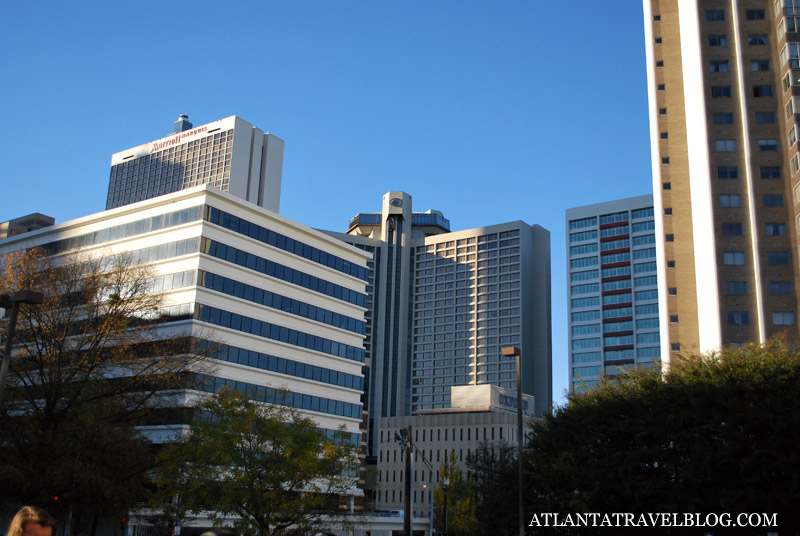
{"x": 722, "y": 79}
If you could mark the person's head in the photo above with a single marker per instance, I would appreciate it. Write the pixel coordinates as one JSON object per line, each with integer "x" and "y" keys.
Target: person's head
{"x": 32, "y": 521}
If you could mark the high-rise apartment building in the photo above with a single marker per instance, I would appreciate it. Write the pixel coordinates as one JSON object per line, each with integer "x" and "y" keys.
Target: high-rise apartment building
{"x": 722, "y": 81}
{"x": 229, "y": 154}
{"x": 443, "y": 304}
{"x": 613, "y": 289}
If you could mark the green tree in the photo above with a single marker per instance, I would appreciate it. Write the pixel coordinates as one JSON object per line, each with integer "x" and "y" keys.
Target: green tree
{"x": 82, "y": 377}
{"x": 493, "y": 469}
{"x": 460, "y": 501}
{"x": 266, "y": 465}
{"x": 718, "y": 433}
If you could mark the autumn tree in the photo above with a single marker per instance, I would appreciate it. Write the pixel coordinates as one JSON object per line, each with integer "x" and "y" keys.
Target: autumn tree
{"x": 493, "y": 469}
{"x": 266, "y": 467}
{"x": 91, "y": 363}
{"x": 718, "y": 433}
{"x": 460, "y": 501}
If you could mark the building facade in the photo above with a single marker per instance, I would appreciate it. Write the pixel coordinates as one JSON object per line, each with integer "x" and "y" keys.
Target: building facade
{"x": 613, "y": 289}
{"x": 284, "y": 302}
{"x": 722, "y": 80}
{"x": 25, "y": 224}
{"x": 481, "y": 415}
{"x": 444, "y": 303}
{"x": 229, "y": 154}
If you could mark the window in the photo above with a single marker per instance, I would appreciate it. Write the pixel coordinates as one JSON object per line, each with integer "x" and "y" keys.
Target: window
{"x": 777, "y": 258}
{"x": 668, "y": 211}
{"x": 791, "y": 136}
{"x": 670, "y": 264}
{"x": 718, "y": 40}
{"x": 664, "y": 135}
{"x": 673, "y": 319}
{"x": 659, "y": 40}
{"x": 725, "y": 145}
{"x": 662, "y": 87}
{"x": 765, "y": 118}
{"x": 768, "y": 145}
{"x": 659, "y": 64}
{"x": 662, "y": 111}
{"x": 727, "y": 172}
{"x": 770, "y": 172}
{"x": 670, "y": 238}
{"x": 755, "y": 14}
{"x": 732, "y": 229}
{"x": 665, "y": 160}
{"x": 719, "y": 66}
{"x": 780, "y": 288}
{"x": 721, "y": 92}
{"x": 675, "y": 346}
{"x": 667, "y": 186}
{"x": 656, "y": 18}
{"x": 757, "y": 39}
{"x": 791, "y": 54}
{"x": 775, "y": 229}
{"x": 736, "y": 288}
{"x": 715, "y": 15}
{"x": 783, "y": 318}
{"x": 762, "y": 91}
{"x": 672, "y": 291}
{"x": 723, "y": 118}
{"x": 733, "y": 258}
{"x": 759, "y": 65}
{"x": 730, "y": 200}
{"x": 795, "y": 163}
{"x": 738, "y": 318}
{"x": 772, "y": 200}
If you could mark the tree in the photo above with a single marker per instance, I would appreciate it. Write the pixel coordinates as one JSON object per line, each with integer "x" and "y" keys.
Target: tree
{"x": 719, "y": 433}
{"x": 267, "y": 464}
{"x": 90, "y": 363}
{"x": 493, "y": 468}
{"x": 460, "y": 501}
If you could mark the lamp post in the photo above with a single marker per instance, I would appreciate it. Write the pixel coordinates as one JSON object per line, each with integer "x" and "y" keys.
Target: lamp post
{"x": 12, "y": 301}
{"x": 445, "y": 485}
{"x": 513, "y": 351}
{"x": 405, "y": 441}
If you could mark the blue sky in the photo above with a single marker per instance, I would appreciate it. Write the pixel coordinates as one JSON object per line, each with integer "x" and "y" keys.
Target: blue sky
{"x": 487, "y": 111}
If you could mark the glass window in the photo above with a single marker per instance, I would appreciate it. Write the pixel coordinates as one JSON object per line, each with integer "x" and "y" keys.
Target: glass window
{"x": 719, "y": 66}
{"x": 776, "y": 258}
{"x": 715, "y": 15}
{"x": 721, "y": 92}
{"x": 757, "y": 39}
{"x": 733, "y": 258}
{"x": 765, "y": 118}
{"x": 772, "y": 200}
{"x": 730, "y": 200}
{"x": 770, "y": 172}
{"x": 755, "y": 14}
{"x": 736, "y": 288}
{"x": 738, "y": 318}
{"x": 727, "y": 172}
{"x": 762, "y": 91}
{"x": 775, "y": 229}
{"x": 783, "y": 318}
{"x": 718, "y": 40}
{"x": 725, "y": 145}
{"x": 759, "y": 65}
{"x": 732, "y": 229}
{"x": 768, "y": 145}
{"x": 780, "y": 288}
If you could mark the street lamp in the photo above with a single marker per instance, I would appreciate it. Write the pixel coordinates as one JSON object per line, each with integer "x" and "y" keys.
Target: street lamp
{"x": 12, "y": 301}
{"x": 445, "y": 485}
{"x": 513, "y": 351}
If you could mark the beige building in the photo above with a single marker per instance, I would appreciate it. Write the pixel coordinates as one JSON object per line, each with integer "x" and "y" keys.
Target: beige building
{"x": 722, "y": 76}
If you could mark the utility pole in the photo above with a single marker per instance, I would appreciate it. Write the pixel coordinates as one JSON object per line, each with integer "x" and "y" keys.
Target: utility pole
{"x": 407, "y": 514}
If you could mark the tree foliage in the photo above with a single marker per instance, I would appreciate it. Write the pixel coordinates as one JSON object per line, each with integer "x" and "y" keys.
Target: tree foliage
{"x": 493, "y": 469}
{"x": 90, "y": 364}
{"x": 719, "y": 433}
{"x": 266, "y": 465}
{"x": 460, "y": 501}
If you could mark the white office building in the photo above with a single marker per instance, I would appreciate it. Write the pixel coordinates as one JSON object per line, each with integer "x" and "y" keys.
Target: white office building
{"x": 286, "y": 302}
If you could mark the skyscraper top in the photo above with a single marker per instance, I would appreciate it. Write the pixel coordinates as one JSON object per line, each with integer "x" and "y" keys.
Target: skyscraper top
{"x": 229, "y": 154}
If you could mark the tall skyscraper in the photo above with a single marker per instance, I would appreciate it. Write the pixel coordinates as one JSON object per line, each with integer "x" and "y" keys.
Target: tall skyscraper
{"x": 722, "y": 80}
{"x": 229, "y": 154}
{"x": 612, "y": 287}
{"x": 444, "y": 303}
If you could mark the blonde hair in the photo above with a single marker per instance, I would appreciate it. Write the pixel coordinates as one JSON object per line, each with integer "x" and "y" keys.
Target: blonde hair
{"x": 30, "y": 514}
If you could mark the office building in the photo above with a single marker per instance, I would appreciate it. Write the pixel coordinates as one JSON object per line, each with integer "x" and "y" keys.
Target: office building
{"x": 25, "y": 224}
{"x": 613, "y": 289}
{"x": 444, "y": 303}
{"x": 722, "y": 80}
{"x": 479, "y": 415}
{"x": 285, "y": 302}
{"x": 229, "y": 154}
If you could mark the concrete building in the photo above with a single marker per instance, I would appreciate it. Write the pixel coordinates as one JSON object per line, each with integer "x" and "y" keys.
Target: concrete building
{"x": 479, "y": 415}
{"x": 286, "y": 302}
{"x": 722, "y": 80}
{"x": 25, "y": 224}
{"x": 612, "y": 288}
{"x": 444, "y": 303}
{"x": 229, "y": 154}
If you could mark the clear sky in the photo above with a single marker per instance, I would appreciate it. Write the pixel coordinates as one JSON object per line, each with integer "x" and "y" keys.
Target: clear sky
{"x": 489, "y": 111}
